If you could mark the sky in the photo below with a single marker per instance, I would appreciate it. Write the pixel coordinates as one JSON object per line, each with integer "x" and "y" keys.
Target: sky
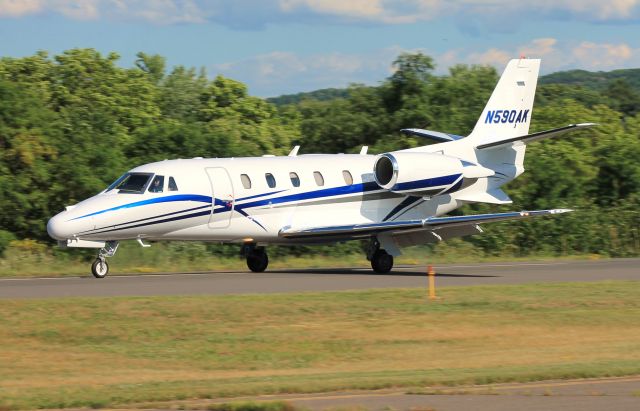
{"x": 288, "y": 46}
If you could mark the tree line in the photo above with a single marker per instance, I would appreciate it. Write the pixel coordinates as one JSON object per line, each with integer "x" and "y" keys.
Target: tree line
{"x": 72, "y": 123}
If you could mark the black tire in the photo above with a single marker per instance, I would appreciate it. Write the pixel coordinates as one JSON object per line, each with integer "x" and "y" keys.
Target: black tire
{"x": 257, "y": 261}
{"x": 100, "y": 268}
{"x": 382, "y": 262}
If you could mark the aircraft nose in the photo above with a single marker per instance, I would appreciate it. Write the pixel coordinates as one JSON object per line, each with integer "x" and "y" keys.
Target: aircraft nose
{"x": 56, "y": 229}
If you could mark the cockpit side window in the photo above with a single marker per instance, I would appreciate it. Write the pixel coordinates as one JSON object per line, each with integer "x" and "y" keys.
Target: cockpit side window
{"x": 131, "y": 183}
{"x": 172, "y": 184}
{"x": 117, "y": 182}
{"x": 157, "y": 185}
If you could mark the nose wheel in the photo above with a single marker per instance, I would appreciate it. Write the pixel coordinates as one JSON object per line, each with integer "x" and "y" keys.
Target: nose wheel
{"x": 100, "y": 268}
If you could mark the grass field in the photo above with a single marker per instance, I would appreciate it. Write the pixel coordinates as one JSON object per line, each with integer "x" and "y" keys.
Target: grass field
{"x": 101, "y": 352}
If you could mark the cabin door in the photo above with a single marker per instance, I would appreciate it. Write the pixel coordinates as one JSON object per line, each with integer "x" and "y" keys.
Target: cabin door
{"x": 222, "y": 197}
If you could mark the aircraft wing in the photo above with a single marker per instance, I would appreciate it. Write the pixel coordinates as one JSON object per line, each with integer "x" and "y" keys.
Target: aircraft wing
{"x": 435, "y": 136}
{"x": 537, "y": 136}
{"x": 397, "y": 227}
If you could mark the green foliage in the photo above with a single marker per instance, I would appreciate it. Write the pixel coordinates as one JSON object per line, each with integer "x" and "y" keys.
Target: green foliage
{"x": 319, "y": 95}
{"x": 72, "y": 123}
{"x": 595, "y": 80}
{"x": 6, "y": 237}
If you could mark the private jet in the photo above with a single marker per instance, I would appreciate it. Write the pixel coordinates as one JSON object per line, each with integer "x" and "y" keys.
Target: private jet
{"x": 393, "y": 200}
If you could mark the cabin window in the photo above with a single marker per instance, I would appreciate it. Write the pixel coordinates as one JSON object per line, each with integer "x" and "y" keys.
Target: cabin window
{"x": 348, "y": 179}
{"x": 131, "y": 183}
{"x": 172, "y": 184}
{"x": 246, "y": 181}
{"x": 318, "y": 177}
{"x": 295, "y": 180}
{"x": 271, "y": 180}
{"x": 157, "y": 184}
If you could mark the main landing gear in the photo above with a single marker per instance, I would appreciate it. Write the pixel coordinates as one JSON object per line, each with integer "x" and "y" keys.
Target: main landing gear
{"x": 257, "y": 259}
{"x": 100, "y": 268}
{"x": 381, "y": 261}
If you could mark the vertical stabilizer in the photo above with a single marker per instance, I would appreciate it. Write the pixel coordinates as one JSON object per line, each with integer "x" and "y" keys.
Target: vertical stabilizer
{"x": 508, "y": 112}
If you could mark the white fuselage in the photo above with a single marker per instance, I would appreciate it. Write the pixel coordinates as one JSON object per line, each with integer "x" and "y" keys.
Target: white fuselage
{"x": 214, "y": 202}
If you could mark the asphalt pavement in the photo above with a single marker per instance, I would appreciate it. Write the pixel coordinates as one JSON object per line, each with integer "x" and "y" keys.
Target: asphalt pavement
{"x": 619, "y": 394}
{"x": 282, "y": 281}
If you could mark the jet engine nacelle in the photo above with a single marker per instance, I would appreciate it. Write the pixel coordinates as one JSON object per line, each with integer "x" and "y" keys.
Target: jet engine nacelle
{"x": 425, "y": 174}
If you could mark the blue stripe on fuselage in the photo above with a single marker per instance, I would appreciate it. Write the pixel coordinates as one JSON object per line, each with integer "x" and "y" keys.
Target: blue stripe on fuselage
{"x": 404, "y": 203}
{"x": 309, "y": 195}
{"x": 426, "y": 183}
{"x": 168, "y": 199}
{"x": 260, "y": 195}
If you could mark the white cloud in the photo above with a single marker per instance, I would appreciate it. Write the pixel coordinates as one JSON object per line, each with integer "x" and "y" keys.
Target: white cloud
{"x": 79, "y": 10}
{"x": 597, "y": 9}
{"x": 557, "y": 55}
{"x": 603, "y": 56}
{"x": 490, "y": 57}
{"x": 353, "y": 8}
{"x": 155, "y": 11}
{"x": 160, "y": 11}
{"x": 284, "y": 72}
{"x": 17, "y": 8}
{"x": 251, "y": 14}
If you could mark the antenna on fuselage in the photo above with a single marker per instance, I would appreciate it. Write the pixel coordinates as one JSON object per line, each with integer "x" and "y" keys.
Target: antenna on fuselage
{"x": 294, "y": 151}
{"x": 364, "y": 150}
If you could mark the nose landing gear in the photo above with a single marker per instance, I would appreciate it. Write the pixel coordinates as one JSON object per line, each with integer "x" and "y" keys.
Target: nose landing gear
{"x": 100, "y": 268}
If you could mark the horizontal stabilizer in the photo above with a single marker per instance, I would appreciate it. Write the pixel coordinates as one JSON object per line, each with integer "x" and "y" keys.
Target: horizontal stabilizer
{"x": 431, "y": 224}
{"x": 537, "y": 136}
{"x": 437, "y": 136}
{"x": 495, "y": 196}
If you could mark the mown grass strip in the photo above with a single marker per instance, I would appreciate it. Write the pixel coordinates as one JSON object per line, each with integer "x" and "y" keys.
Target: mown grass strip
{"x": 101, "y": 352}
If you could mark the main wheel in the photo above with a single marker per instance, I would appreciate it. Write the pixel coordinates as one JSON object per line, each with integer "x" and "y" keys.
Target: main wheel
{"x": 257, "y": 261}
{"x": 382, "y": 262}
{"x": 100, "y": 268}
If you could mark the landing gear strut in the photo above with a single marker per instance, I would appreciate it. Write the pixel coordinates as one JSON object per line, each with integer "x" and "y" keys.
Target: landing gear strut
{"x": 100, "y": 268}
{"x": 381, "y": 261}
{"x": 257, "y": 259}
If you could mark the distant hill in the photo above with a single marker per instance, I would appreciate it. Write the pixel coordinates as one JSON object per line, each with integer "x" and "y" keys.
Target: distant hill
{"x": 321, "y": 95}
{"x": 594, "y": 80}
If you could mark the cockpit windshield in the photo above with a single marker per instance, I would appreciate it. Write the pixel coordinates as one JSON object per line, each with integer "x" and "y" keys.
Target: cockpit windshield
{"x": 134, "y": 183}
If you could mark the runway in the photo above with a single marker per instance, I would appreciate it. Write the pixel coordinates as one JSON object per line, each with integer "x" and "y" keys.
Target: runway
{"x": 618, "y": 394}
{"x": 282, "y": 281}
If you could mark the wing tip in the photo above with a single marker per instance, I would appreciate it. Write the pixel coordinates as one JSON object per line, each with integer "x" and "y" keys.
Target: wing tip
{"x": 561, "y": 210}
